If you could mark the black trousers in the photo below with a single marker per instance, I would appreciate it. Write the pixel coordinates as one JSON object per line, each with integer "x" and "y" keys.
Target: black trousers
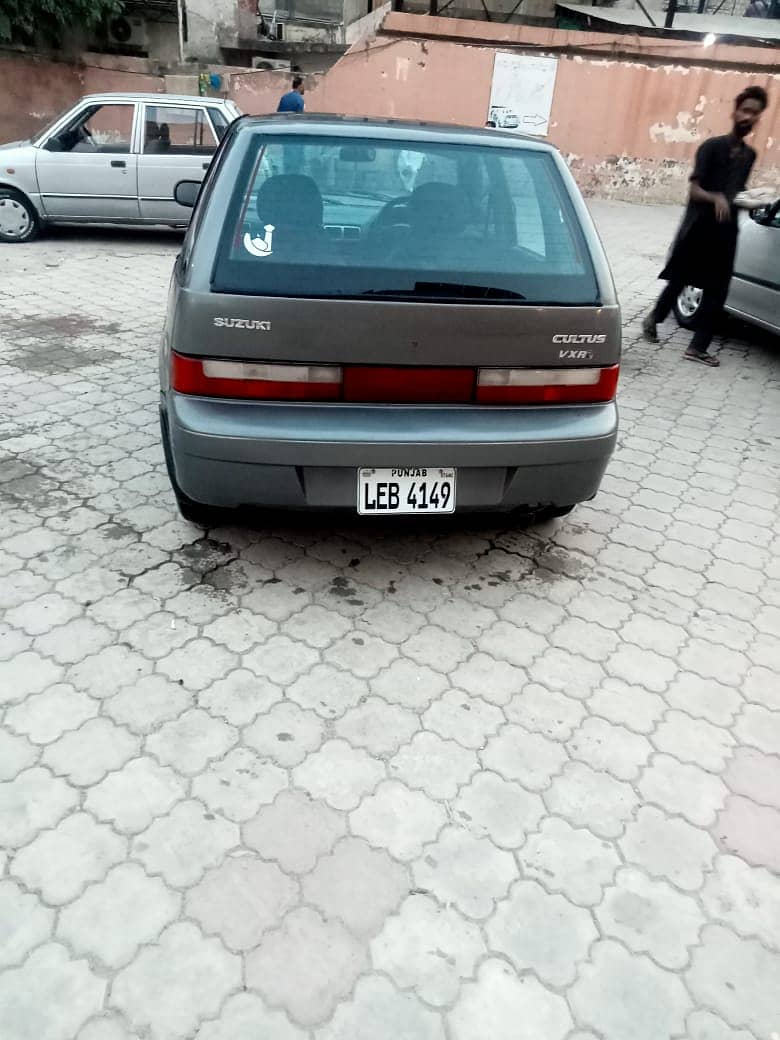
{"x": 711, "y": 308}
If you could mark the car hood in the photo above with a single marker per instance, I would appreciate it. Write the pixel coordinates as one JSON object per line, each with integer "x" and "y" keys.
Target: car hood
{"x": 15, "y": 144}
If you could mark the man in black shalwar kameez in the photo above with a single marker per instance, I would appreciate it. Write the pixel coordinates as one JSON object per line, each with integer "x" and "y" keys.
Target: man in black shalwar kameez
{"x": 703, "y": 251}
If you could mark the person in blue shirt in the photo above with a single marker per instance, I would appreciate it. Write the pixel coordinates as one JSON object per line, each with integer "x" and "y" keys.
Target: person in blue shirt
{"x": 293, "y": 100}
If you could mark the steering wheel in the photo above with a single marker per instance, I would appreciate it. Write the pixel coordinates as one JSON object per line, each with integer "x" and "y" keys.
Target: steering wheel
{"x": 394, "y": 213}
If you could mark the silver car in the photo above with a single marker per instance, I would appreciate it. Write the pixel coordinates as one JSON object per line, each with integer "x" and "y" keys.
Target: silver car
{"x": 112, "y": 158}
{"x": 754, "y": 293}
{"x": 348, "y": 329}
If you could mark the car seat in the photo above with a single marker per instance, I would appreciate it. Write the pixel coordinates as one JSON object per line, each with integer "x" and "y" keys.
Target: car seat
{"x": 292, "y": 203}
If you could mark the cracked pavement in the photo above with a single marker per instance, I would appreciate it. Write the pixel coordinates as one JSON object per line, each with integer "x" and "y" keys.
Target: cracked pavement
{"x": 330, "y": 780}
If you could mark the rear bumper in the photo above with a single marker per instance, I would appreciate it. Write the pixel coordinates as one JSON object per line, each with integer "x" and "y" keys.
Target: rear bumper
{"x": 231, "y": 453}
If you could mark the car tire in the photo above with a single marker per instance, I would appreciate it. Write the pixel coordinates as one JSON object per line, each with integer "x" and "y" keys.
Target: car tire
{"x": 687, "y": 307}
{"x": 18, "y": 218}
{"x": 193, "y": 512}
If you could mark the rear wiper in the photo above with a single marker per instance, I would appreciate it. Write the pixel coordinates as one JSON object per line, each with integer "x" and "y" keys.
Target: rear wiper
{"x": 458, "y": 289}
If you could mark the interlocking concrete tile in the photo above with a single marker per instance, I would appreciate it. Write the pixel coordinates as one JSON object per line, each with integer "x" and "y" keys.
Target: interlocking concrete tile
{"x": 19, "y": 586}
{"x": 750, "y": 831}
{"x": 758, "y": 727}
{"x": 112, "y": 919}
{"x": 379, "y": 1012}
{"x": 704, "y": 698}
{"x": 436, "y": 648}
{"x": 190, "y": 742}
{"x": 641, "y": 667}
{"x": 529, "y": 758}
{"x": 32, "y": 801}
{"x": 542, "y": 933}
{"x": 761, "y": 686}
{"x": 50, "y": 996}
{"x": 745, "y": 898}
{"x": 102, "y": 674}
{"x": 738, "y": 978}
{"x": 668, "y": 847}
{"x": 240, "y": 697}
{"x": 317, "y": 626}
{"x": 199, "y": 605}
{"x": 240, "y": 900}
{"x": 238, "y": 784}
{"x": 321, "y": 963}
{"x": 133, "y": 796}
{"x": 593, "y": 606}
{"x": 60, "y": 862}
{"x": 559, "y": 670}
{"x": 612, "y": 748}
{"x": 147, "y": 702}
{"x": 360, "y": 655}
{"x": 328, "y": 691}
{"x": 245, "y": 1016}
{"x": 468, "y": 720}
{"x": 356, "y": 884}
{"x": 484, "y": 676}
{"x": 413, "y": 686}
{"x": 74, "y": 640}
{"x": 621, "y": 995}
{"x": 25, "y": 674}
{"x": 24, "y": 923}
{"x": 631, "y": 706}
{"x": 588, "y": 639}
{"x": 339, "y": 774}
{"x": 513, "y": 643}
{"x": 16, "y": 755}
{"x": 197, "y": 664}
{"x": 12, "y": 642}
{"x": 172, "y": 985}
{"x": 280, "y": 659}
{"x": 182, "y": 845}
{"x": 492, "y": 807}
{"x": 694, "y": 740}
{"x": 438, "y": 767}
{"x": 44, "y": 717}
{"x": 569, "y": 860}
{"x": 158, "y": 634}
{"x": 286, "y": 734}
{"x": 465, "y": 619}
{"x": 741, "y": 605}
{"x": 294, "y": 831}
{"x": 85, "y": 755}
{"x": 703, "y": 1025}
{"x": 428, "y": 948}
{"x": 588, "y": 798}
{"x": 398, "y": 819}
{"x": 41, "y": 615}
{"x": 714, "y": 662}
{"x": 650, "y": 917}
{"x": 505, "y": 1006}
{"x": 467, "y": 871}
{"x": 239, "y": 630}
{"x": 684, "y": 789}
{"x": 755, "y": 775}
{"x": 545, "y": 711}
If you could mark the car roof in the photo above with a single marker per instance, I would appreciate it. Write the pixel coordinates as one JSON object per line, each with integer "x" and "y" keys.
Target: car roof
{"x": 395, "y": 129}
{"x": 149, "y": 96}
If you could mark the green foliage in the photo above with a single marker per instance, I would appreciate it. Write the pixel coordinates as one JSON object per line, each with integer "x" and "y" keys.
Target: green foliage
{"x": 24, "y": 21}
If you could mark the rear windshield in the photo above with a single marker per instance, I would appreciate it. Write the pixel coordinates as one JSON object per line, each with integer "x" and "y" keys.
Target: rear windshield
{"x": 329, "y": 217}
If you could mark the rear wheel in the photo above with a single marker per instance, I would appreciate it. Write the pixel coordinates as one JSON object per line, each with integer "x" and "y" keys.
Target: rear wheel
{"x": 18, "y": 219}
{"x": 687, "y": 306}
{"x": 194, "y": 512}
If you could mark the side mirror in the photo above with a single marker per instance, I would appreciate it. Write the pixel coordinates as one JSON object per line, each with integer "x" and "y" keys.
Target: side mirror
{"x": 186, "y": 193}
{"x": 762, "y": 215}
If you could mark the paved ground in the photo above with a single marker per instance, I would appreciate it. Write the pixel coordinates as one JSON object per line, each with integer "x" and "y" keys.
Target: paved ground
{"x": 349, "y": 783}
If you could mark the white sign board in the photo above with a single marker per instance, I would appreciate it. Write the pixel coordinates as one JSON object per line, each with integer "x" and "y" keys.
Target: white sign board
{"x": 522, "y": 92}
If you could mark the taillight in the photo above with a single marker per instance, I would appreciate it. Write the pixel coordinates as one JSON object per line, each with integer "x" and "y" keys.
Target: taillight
{"x": 546, "y": 385}
{"x": 363, "y": 383}
{"x": 248, "y": 379}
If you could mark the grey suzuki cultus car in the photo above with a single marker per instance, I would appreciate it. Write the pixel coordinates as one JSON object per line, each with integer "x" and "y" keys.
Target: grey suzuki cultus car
{"x": 387, "y": 318}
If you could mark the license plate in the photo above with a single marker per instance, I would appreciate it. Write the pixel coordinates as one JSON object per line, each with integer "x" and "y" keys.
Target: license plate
{"x": 405, "y": 491}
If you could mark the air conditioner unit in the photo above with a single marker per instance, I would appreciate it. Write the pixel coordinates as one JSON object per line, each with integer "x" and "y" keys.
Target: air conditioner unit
{"x": 127, "y": 32}
{"x": 271, "y": 65}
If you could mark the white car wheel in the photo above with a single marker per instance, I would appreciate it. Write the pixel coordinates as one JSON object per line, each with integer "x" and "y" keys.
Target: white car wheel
{"x": 18, "y": 220}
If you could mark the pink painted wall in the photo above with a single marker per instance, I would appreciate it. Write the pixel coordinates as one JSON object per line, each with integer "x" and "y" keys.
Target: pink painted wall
{"x": 628, "y": 117}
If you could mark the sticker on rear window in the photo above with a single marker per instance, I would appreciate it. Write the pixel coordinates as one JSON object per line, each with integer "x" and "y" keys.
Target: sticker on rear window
{"x": 258, "y": 246}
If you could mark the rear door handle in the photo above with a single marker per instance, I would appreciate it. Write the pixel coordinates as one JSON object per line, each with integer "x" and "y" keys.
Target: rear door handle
{"x": 118, "y": 162}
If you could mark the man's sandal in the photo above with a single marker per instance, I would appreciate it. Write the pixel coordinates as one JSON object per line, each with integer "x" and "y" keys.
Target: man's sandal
{"x": 702, "y": 357}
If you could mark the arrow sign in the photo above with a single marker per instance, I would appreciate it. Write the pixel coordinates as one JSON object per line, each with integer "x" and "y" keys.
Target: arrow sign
{"x": 534, "y": 120}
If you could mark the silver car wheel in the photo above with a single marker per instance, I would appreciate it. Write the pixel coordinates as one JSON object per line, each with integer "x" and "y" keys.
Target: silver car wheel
{"x": 15, "y": 218}
{"x": 689, "y": 301}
